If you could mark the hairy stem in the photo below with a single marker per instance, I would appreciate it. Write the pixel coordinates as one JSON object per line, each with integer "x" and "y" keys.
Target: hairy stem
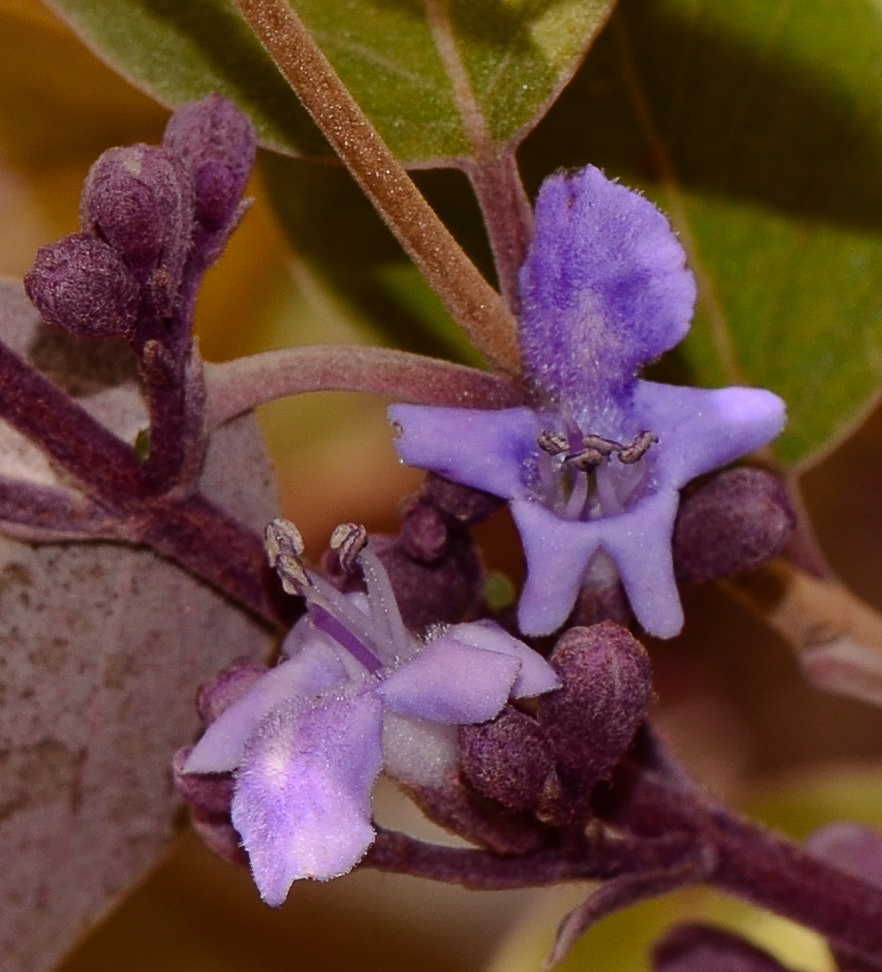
{"x": 507, "y": 213}
{"x": 34, "y": 512}
{"x": 103, "y": 464}
{"x": 121, "y": 494}
{"x": 237, "y": 386}
{"x": 760, "y": 866}
{"x": 218, "y": 549}
{"x": 836, "y": 636}
{"x": 485, "y": 870}
{"x": 492, "y": 169}
{"x": 472, "y": 302}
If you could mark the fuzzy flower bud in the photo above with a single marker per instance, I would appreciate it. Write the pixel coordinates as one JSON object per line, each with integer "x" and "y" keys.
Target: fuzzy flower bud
{"x": 734, "y": 523}
{"x": 139, "y": 199}
{"x": 82, "y": 285}
{"x": 591, "y": 721}
{"x": 217, "y": 144}
{"x": 508, "y": 759}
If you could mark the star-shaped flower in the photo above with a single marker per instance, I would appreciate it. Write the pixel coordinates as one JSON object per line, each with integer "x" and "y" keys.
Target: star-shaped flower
{"x": 354, "y": 693}
{"x": 593, "y": 470}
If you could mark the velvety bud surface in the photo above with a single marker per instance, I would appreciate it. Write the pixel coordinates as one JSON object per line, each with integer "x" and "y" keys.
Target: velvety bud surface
{"x": 591, "y": 721}
{"x": 227, "y": 687}
{"x": 140, "y": 200}
{"x": 734, "y": 523}
{"x": 217, "y": 144}
{"x": 82, "y": 285}
{"x": 703, "y": 948}
{"x": 508, "y": 759}
{"x": 209, "y": 792}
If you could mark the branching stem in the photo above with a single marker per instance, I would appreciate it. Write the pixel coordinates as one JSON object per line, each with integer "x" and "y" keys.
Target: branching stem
{"x": 237, "y": 386}
{"x": 472, "y": 302}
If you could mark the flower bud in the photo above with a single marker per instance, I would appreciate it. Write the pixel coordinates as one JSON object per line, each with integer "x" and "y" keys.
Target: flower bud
{"x": 216, "y": 142}
{"x": 508, "y": 759}
{"x": 591, "y": 721}
{"x": 703, "y": 948}
{"x": 227, "y": 687}
{"x": 139, "y": 199}
{"x": 733, "y": 523}
{"x": 211, "y": 792}
{"x": 82, "y": 285}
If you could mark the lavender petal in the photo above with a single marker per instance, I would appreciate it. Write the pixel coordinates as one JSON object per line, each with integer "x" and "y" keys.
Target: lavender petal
{"x": 302, "y": 802}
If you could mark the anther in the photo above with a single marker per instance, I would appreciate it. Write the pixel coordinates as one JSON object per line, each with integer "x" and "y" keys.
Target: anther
{"x": 554, "y": 443}
{"x": 348, "y": 540}
{"x": 596, "y": 452}
{"x": 638, "y": 448}
{"x": 284, "y": 547}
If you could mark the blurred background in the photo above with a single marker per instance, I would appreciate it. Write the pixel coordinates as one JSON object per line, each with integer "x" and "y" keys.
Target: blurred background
{"x": 729, "y": 696}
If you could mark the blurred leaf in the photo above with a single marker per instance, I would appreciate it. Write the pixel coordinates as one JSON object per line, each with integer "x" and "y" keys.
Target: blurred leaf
{"x": 102, "y": 647}
{"x": 516, "y": 53}
{"x": 758, "y": 127}
{"x": 337, "y": 233}
{"x": 66, "y": 104}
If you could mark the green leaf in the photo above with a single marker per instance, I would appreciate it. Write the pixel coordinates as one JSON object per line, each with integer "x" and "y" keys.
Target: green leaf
{"x": 337, "y": 233}
{"x": 516, "y": 55}
{"x": 758, "y": 127}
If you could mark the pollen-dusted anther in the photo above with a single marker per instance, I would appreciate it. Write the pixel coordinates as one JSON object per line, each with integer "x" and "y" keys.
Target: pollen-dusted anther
{"x": 638, "y": 448}
{"x": 284, "y": 548}
{"x": 554, "y": 443}
{"x": 348, "y": 540}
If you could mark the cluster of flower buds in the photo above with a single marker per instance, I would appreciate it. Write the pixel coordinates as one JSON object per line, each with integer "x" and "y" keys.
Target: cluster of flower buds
{"x": 550, "y": 763}
{"x": 153, "y": 218}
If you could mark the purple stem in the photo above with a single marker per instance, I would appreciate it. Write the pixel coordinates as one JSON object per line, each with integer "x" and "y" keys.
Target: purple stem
{"x": 49, "y": 513}
{"x": 192, "y": 532}
{"x": 104, "y": 464}
{"x": 217, "y": 548}
{"x": 484, "y": 870}
{"x": 508, "y": 215}
{"x": 759, "y": 865}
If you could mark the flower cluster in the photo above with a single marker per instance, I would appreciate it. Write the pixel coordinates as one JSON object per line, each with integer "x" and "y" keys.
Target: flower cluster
{"x": 354, "y": 693}
{"x": 593, "y": 469}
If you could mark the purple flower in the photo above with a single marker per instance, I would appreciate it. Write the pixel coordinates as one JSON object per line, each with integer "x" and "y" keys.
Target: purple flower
{"x": 592, "y": 471}
{"x": 354, "y": 693}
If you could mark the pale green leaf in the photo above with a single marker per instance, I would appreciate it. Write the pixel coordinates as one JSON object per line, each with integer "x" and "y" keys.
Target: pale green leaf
{"x": 515, "y": 55}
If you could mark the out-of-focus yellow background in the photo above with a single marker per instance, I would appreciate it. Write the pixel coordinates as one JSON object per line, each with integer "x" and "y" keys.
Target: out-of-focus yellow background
{"x": 729, "y": 695}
